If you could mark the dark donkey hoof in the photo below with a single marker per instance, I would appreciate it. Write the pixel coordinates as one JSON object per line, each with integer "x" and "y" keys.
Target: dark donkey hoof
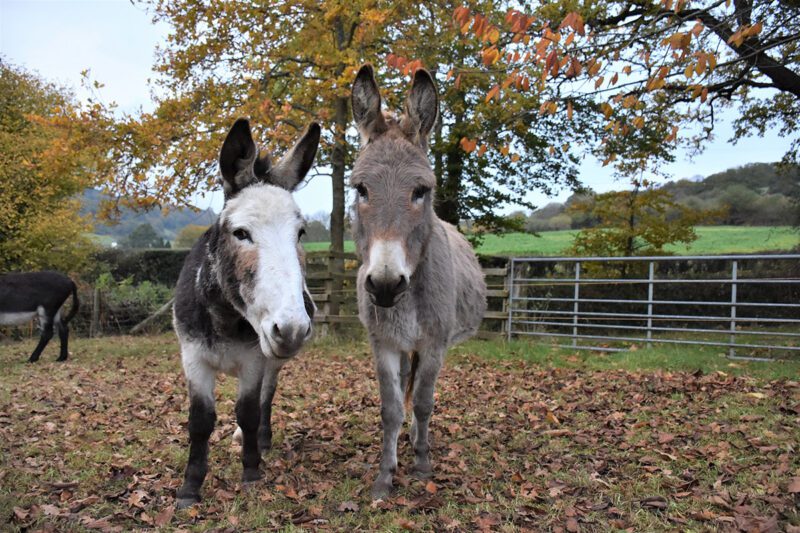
{"x": 422, "y": 471}
{"x": 252, "y": 476}
{"x": 382, "y": 488}
{"x": 184, "y": 502}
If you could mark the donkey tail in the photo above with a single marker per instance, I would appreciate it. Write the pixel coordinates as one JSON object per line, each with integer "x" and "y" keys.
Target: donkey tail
{"x": 410, "y": 384}
{"x": 75, "y": 305}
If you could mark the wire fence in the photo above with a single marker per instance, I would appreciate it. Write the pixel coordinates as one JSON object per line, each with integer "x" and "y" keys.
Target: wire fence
{"x": 733, "y": 302}
{"x": 106, "y": 312}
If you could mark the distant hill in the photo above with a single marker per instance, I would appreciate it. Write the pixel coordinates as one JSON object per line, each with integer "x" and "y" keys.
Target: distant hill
{"x": 167, "y": 226}
{"x": 753, "y": 195}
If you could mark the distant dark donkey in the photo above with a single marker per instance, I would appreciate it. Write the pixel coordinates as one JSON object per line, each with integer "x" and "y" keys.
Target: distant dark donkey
{"x": 25, "y": 295}
{"x": 420, "y": 288}
{"x": 241, "y": 304}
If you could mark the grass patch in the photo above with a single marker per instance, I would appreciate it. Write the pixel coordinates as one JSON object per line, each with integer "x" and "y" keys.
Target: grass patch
{"x": 712, "y": 240}
{"x": 682, "y": 358}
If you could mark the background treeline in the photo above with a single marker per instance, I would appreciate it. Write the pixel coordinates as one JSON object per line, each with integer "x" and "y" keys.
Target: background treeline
{"x": 167, "y": 224}
{"x": 759, "y": 194}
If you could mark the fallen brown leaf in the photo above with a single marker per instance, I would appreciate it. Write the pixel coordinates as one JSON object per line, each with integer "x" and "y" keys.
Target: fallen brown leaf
{"x": 348, "y": 506}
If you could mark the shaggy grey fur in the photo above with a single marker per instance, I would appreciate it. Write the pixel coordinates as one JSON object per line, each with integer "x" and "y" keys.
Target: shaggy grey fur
{"x": 411, "y": 328}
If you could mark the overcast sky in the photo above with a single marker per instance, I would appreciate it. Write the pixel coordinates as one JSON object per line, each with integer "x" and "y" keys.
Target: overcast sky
{"x": 117, "y": 40}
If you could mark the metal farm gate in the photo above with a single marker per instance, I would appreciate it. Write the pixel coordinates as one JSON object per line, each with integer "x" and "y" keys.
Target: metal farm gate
{"x": 745, "y": 302}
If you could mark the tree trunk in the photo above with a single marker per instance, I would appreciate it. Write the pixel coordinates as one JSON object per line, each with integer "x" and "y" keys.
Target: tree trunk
{"x": 438, "y": 155}
{"x": 448, "y": 200}
{"x": 338, "y": 161}
{"x": 338, "y": 157}
{"x": 631, "y": 240}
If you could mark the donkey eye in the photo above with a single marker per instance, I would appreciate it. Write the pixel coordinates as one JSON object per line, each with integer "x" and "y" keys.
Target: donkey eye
{"x": 242, "y": 235}
{"x": 419, "y": 193}
{"x": 362, "y": 192}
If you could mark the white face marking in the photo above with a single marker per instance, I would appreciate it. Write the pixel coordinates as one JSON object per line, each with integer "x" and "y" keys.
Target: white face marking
{"x": 387, "y": 259}
{"x": 271, "y": 217}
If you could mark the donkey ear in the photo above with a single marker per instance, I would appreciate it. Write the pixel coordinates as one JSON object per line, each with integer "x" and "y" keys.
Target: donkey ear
{"x": 293, "y": 167}
{"x": 237, "y": 158}
{"x": 366, "y": 99}
{"x": 422, "y": 106}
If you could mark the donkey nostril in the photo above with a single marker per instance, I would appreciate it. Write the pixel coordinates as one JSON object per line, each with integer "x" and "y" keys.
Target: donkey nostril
{"x": 368, "y": 284}
{"x": 401, "y": 285}
{"x": 276, "y": 332}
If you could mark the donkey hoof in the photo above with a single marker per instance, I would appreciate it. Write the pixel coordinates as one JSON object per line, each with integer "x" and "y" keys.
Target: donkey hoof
{"x": 381, "y": 490}
{"x": 252, "y": 476}
{"x": 60, "y": 360}
{"x": 186, "y": 502}
{"x": 422, "y": 471}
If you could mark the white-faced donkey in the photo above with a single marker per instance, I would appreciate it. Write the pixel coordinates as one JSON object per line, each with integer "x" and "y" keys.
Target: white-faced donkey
{"x": 241, "y": 304}
{"x": 420, "y": 287}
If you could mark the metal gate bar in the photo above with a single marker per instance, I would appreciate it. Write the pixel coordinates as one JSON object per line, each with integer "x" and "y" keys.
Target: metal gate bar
{"x": 532, "y": 314}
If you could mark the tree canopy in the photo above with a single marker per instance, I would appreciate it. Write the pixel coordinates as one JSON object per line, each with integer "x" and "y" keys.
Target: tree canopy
{"x": 654, "y": 74}
{"x": 484, "y": 155}
{"x": 289, "y": 62}
{"x": 188, "y": 235}
{"x": 144, "y": 236}
{"x": 49, "y": 155}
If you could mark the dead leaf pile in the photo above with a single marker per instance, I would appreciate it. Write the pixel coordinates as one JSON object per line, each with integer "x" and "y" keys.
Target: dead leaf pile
{"x": 99, "y": 443}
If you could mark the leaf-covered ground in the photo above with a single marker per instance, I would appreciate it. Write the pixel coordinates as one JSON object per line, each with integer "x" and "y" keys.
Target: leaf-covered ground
{"x": 99, "y": 443}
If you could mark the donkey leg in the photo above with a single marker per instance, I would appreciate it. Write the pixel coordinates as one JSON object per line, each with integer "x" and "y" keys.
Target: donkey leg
{"x": 268, "y": 386}
{"x": 202, "y": 417}
{"x": 63, "y": 335}
{"x": 47, "y": 334}
{"x": 392, "y": 414}
{"x": 424, "y": 383}
{"x": 405, "y": 373}
{"x": 247, "y": 416}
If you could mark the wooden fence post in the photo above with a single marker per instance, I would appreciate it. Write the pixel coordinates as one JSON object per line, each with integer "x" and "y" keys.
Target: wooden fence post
{"x": 334, "y": 286}
{"x": 505, "y": 325}
{"x": 325, "y": 327}
{"x": 94, "y": 326}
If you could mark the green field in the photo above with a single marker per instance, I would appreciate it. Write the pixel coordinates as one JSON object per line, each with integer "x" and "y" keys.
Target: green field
{"x": 712, "y": 240}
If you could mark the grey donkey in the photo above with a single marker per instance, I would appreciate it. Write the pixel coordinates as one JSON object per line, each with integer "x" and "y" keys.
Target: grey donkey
{"x": 241, "y": 304}
{"x": 420, "y": 287}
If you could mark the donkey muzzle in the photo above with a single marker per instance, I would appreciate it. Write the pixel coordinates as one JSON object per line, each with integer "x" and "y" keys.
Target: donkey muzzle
{"x": 385, "y": 290}
{"x": 287, "y": 338}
